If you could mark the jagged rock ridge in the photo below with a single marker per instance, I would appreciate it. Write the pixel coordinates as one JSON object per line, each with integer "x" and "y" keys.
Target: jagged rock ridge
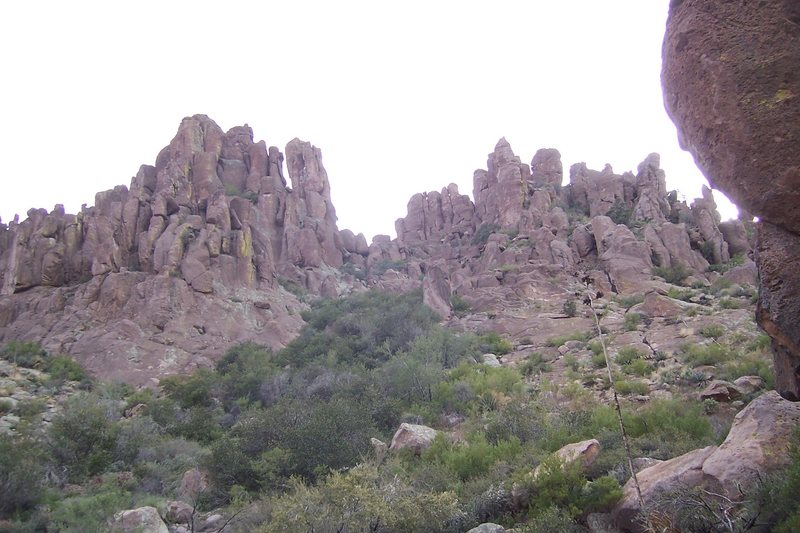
{"x": 163, "y": 276}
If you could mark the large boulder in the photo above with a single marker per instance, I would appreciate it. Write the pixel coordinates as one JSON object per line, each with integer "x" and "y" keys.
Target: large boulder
{"x": 685, "y": 470}
{"x": 757, "y": 444}
{"x": 414, "y": 437}
{"x": 140, "y": 520}
{"x": 731, "y": 85}
{"x": 585, "y": 451}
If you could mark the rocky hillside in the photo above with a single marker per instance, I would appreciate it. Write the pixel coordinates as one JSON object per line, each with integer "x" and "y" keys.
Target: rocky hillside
{"x": 211, "y": 246}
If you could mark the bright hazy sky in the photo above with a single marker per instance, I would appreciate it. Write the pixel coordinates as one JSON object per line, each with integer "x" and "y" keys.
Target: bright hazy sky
{"x": 402, "y": 97}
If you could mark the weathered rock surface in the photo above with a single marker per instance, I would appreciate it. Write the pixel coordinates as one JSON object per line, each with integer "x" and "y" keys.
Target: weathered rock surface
{"x": 140, "y": 520}
{"x": 162, "y": 276}
{"x": 585, "y": 451}
{"x": 487, "y": 527}
{"x": 731, "y": 87}
{"x": 757, "y": 444}
{"x": 721, "y": 391}
{"x": 413, "y": 437}
{"x": 209, "y": 247}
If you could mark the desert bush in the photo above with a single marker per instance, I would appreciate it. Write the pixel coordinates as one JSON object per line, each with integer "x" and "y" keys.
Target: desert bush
{"x": 632, "y": 321}
{"x": 752, "y": 364}
{"x": 482, "y": 234}
{"x": 360, "y": 500}
{"x": 22, "y": 353}
{"x": 713, "y": 331}
{"x": 83, "y": 436}
{"x": 62, "y": 368}
{"x": 628, "y": 301}
{"x": 638, "y": 367}
{"x": 631, "y": 387}
{"x": 575, "y": 336}
{"x": 570, "y": 307}
{"x": 729, "y": 303}
{"x": 381, "y": 266}
{"x": 473, "y": 458}
{"x": 460, "y": 306}
{"x": 627, "y": 354}
{"x": 535, "y": 364}
{"x": 673, "y": 274}
{"x": 620, "y": 212}
{"x": 708, "y": 354}
{"x": 22, "y": 474}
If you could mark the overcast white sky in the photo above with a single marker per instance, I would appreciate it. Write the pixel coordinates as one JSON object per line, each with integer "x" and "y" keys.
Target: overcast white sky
{"x": 401, "y": 97}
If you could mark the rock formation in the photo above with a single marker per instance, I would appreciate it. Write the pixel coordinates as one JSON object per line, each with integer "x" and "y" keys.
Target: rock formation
{"x": 211, "y": 246}
{"x": 731, "y": 85}
{"x": 756, "y": 445}
{"x": 165, "y": 273}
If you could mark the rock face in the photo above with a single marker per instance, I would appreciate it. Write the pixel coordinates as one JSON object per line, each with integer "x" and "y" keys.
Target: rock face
{"x": 211, "y": 246}
{"x": 731, "y": 85}
{"x": 165, "y": 274}
{"x": 758, "y": 443}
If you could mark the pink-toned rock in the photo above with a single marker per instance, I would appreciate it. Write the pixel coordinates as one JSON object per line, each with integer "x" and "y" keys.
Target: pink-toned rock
{"x": 179, "y": 512}
{"x": 683, "y": 471}
{"x": 749, "y": 384}
{"x": 414, "y": 437}
{"x": 193, "y": 483}
{"x": 721, "y": 391}
{"x": 142, "y": 520}
{"x": 585, "y": 451}
{"x": 758, "y": 443}
{"x": 436, "y": 292}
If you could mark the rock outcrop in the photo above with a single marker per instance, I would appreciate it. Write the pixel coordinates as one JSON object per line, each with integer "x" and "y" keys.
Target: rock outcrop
{"x": 757, "y": 444}
{"x": 212, "y": 246}
{"x": 731, "y": 85}
{"x": 414, "y": 437}
{"x": 161, "y": 276}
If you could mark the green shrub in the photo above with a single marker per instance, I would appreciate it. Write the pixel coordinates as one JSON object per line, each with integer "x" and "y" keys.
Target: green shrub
{"x": 30, "y": 409}
{"x": 575, "y": 336}
{"x": 752, "y": 364}
{"x": 720, "y": 284}
{"x": 632, "y": 387}
{"x": 460, "y": 306}
{"x": 494, "y": 343}
{"x": 598, "y": 360}
{"x": 25, "y": 354}
{"x": 638, "y": 367}
{"x": 472, "y": 459}
{"x": 570, "y": 308}
{"x": 535, "y": 364}
{"x": 22, "y": 469}
{"x": 62, "y": 368}
{"x": 713, "y": 331}
{"x": 482, "y": 234}
{"x": 627, "y": 354}
{"x": 83, "y": 436}
{"x": 620, "y": 212}
{"x": 630, "y": 300}
{"x": 729, "y": 303}
{"x": 674, "y": 274}
{"x": 708, "y": 354}
{"x": 92, "y": 512}
{"x": 632, "y": 321}
{"x": 683, "y": 295}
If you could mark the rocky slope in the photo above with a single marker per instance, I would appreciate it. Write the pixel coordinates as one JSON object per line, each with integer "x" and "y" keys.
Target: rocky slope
{"x": 731, "y": 85}
{"x": 199, "y": 251}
